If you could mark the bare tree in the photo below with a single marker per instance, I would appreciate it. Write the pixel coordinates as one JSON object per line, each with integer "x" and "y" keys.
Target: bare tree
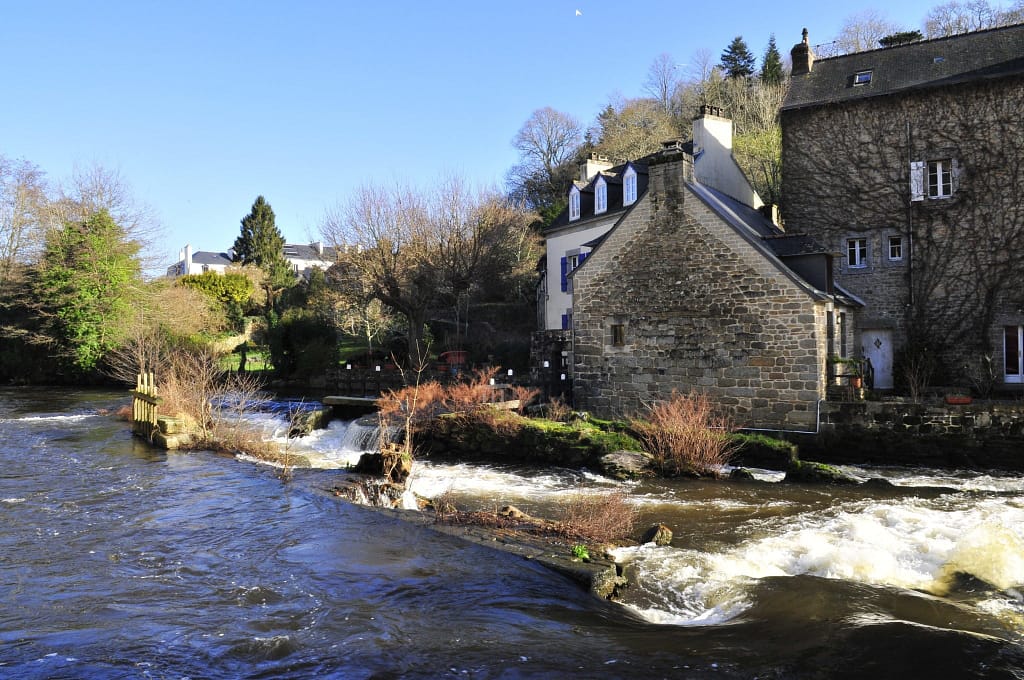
{"x": 415, "y": 252}
{"x": 956, "y": 17}
{"x": 22, "y": 199}
{"x": 92, "y": 188}
{"x": 862, "y": 31}
{"x": 547, "y": 143}
{"x": 663, "y": 80}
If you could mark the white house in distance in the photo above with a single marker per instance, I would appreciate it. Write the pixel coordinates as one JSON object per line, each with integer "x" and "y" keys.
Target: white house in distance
{"x": 303, "y": 258}
{"x": 604, "y": 193}
{"x": 198, "y": 262}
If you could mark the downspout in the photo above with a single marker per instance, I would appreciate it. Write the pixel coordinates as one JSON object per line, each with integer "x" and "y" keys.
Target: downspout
{"x": 910, "y": 230}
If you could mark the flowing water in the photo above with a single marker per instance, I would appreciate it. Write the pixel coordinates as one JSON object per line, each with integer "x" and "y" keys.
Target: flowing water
{"x": 120, "y": 561}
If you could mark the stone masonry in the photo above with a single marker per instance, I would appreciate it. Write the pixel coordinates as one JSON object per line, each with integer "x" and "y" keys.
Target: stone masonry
{"x": 846, "y": 175}
{"x": 694, "y": 305}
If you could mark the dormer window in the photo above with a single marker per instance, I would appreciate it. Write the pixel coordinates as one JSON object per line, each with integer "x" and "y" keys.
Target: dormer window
{"x": 600, "y": 196}
{"x": 861, "y": 78}
{"x": 574, "y": 204}
{"x": 629, "y": 186}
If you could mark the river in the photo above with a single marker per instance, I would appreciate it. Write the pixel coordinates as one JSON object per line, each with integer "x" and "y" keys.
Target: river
{"x": 119, "y": 561}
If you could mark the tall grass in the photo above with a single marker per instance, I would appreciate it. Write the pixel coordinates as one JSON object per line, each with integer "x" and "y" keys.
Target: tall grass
{"x": 686, "y": 435}
{"x": 602, "y": 517}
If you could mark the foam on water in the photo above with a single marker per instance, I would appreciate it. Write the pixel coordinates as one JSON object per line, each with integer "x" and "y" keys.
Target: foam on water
{"x": 905, "y": 544}
{"x": 51, "y": 418}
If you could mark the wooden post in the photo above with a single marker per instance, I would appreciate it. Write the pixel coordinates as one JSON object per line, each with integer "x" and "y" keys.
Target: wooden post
{"x": 144, "y": 406}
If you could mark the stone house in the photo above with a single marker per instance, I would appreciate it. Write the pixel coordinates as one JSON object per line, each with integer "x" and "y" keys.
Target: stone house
{"x": 695, "y": 289}
{"x": 908, "y": 163}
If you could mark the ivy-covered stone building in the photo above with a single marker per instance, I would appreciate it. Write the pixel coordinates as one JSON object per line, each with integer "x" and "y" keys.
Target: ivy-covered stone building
{"x": 908, "y": 163}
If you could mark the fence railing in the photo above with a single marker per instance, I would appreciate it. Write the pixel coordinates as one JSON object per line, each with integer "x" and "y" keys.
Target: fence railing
{"x": 145, "y": 403}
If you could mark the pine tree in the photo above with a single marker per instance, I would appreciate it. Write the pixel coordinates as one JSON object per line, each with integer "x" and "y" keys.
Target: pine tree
{"x": 737, "y": 61}
{"x": 260, "y": 242}
{"x": 771, "y": 64}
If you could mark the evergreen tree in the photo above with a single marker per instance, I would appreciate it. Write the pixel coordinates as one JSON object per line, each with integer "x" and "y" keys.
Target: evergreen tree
{"x": 260, "y": 242}
{"x": 87, "y": 284}
{"x": 737, "y": 61}
{"x": 771, "y": 65}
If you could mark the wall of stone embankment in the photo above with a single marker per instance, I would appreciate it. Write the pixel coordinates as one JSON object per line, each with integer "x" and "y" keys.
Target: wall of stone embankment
{"x": 981, "y": 435}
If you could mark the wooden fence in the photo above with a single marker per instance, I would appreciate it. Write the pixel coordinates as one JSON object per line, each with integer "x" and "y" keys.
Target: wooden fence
{"x": 145, "y": 403}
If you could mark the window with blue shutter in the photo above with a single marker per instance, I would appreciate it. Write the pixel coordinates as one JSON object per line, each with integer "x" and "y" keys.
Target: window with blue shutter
{"x": 565, "y": 322}
{"x": 565, "y": 270}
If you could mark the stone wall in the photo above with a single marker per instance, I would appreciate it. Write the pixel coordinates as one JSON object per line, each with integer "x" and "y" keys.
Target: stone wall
{"x": 981, "y": 435}
{"x": 846, "y": 174}
{"x": 699, "y": 308}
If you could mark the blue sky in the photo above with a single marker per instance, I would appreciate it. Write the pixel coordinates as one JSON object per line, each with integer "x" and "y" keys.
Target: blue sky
{"x": 202, "y": 106}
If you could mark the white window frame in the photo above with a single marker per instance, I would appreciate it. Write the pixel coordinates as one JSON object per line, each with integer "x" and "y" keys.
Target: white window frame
{"x": 600, "y": 196}
{"x": 896, "y": 241}
{"x": 574, "y": 204}
{"x": 861, "y": 78}
{"x": 629, "y": 186}
{"x": 939, "y": 178}
{"x": 858, "y": 248}
{"x": 1018, "y": 377}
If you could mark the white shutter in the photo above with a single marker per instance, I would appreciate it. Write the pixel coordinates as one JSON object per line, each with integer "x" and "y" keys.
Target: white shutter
{"x": 955, "y": 176}
{"x": 917, "y": 180}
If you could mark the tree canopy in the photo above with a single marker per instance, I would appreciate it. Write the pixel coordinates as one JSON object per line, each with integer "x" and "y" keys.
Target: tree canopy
{"x": 88, "y": 280}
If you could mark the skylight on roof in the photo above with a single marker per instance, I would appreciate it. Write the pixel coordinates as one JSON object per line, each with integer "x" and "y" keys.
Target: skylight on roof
{"x": 861, "y": 78}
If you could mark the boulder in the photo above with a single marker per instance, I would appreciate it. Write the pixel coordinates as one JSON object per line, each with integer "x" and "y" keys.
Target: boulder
{"x": 512, "y": 512}
{"x": 627, "y": 464}
{"x": 741, "y": 474}
{"x": 659, "y": 534}
{"x": 809, "y": 472}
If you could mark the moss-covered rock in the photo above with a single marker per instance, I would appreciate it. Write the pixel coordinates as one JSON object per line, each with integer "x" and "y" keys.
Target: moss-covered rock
{"x": 809, "y": 472}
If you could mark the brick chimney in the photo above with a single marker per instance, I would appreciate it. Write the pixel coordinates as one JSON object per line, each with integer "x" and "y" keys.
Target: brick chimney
{"x": 802, "y": 56}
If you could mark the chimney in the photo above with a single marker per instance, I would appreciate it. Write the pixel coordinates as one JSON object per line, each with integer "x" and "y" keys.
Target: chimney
{"x": 318, "y": 246}
{"x": 802, "y": 56}
{"x": 593, "y": 165}
{"x": 187, "y": 258}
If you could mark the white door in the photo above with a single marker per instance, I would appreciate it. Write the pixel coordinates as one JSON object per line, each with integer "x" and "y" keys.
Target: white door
{"x": 876, "y": 345}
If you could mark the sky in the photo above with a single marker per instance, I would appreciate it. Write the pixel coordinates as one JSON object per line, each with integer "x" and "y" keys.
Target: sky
{"x": 201, "y": 106}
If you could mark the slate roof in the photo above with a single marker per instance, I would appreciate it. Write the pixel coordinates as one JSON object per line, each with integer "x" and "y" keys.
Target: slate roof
{"x": 790, "y": 245}
{"x": 306, "y": 251}
{"x": 988, "y": 54}
{"x": 208, "y": 258}
{"x": 757, "y": 229}
{"x": 613, "y": 177}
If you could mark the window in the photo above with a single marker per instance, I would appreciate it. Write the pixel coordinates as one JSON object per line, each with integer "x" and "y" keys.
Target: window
{"x": 1013, "y": 351}
{"x": 857, "y": 253}
{"x": 573, "y": 261}
{"x": 618, "y": 334}
{"x": 600, "y": 196}
{"x": 861, "y": 78}
{"x": 940, "y": 179}
{"x": 629, "y": 187}
{"x": 574, "y": 204}
{"x": 895, "y": 248}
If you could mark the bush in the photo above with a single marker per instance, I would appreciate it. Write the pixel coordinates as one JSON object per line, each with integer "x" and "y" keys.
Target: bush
{"x": 599, "y": 517}
{"x": 686, "y": 436}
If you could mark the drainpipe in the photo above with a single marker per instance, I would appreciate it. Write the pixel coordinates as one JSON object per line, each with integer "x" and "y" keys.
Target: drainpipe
{"x": 910, "y": 228}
